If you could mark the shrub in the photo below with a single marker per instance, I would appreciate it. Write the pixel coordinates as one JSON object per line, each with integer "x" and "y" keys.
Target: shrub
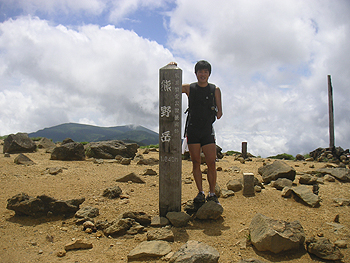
{"x": 281, "y": 156}
{"x": 232, "y": 152}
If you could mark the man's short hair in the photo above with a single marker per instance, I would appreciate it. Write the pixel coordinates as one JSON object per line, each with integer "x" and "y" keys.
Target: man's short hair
{"x": 202, "y": 64}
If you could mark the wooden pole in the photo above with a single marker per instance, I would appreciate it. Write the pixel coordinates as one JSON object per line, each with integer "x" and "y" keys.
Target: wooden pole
{"x": 244, "y": 150}
{"x": 170, "y": 156}
{"x": 331, "y": 114}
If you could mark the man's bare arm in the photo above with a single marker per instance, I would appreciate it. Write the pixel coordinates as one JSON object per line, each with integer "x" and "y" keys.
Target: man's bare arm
{"x": 218, "y": 102}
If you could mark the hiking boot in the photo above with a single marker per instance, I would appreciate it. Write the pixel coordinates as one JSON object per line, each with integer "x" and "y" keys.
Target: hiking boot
{"x": 213, "y": 198}
{"x": 200, "y": 198}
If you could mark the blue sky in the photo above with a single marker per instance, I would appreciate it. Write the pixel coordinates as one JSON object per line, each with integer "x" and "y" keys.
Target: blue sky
{"x": 97, "y": 62}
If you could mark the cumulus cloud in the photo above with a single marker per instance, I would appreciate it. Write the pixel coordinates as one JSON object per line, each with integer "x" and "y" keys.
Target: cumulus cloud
{"x": 91, "y": 73}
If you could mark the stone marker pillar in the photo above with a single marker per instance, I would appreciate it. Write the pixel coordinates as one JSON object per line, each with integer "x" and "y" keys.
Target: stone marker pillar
{"x": 248, "y": 184}
{"x": 244, "y": 150}
{"x": 170, "y": 157}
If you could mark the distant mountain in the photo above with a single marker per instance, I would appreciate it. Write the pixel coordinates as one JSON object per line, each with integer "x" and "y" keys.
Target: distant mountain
{"x": 89, "y": 133}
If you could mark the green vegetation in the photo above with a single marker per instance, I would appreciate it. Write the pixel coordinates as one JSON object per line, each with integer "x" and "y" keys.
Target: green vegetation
{"x": 36, "y": 139}
{"x": 281, "y": 156}
{"x": 150, "y": 146}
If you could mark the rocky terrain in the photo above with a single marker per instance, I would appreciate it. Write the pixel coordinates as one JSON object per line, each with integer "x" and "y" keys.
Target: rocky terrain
{"x": 46, "y": 238}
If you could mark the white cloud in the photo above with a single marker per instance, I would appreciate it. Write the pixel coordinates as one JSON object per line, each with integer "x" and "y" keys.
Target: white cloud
{"x": 92, "y": 73}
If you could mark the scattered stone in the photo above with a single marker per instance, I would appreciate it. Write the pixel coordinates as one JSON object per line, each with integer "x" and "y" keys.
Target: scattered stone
{"x": 342, "y": 201}
{"x": 139, "y": 217}
{"x": 342, "y": 174}
{"x": 281, "y": 183}
{"x": 277, "y": 169}
{"x": 149, "y": 172}
{"x": 45, "y": 143}
{"x": 43, "y": 205}
{"x": 194, "y": 251}
{"x": 300, "y": 157}
{"x": 71, "y": 151}
{"x": 178, "y": 219}
{"x": 210, "y": 210}
{"x": 78, "y": 244}
{"x": 22, "y": 159}
{"x": 125, "y": 161}
{"x": 149, "y": 250}
{"x": 329, "y": 178}
{"x": 341, "y": 243}
{"x": 323, "y": 248}
{"x": 61, "y": 254}
{"x": 18, "y": 143}
{"x": 54, "y": 170}
{"x": 87, "y": 212}
{"x": 287, "y": 192}
{"x": 131, "y": 177}
{"x": 159, "y": 221}
{"x": 234, "y": 185}
{"x": 150, "y": 161}
{"x": 161, "y": 234}
{"x": 119, "y": 227}
{"x": 227, "y": 193}
{"x": 110, "y": 149}
{"x": 306, "y": 195}
{"x": 250, "y": 260}
{"x": 310, "y": 180}
{"x": 192, "y": 207}
{"x": 275, "y": 235}
{"x": 112, "y": 192}
{"x": 7, "y": 155}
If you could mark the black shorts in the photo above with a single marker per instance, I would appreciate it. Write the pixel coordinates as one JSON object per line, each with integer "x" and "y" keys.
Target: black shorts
{"x": 202, "y": 136}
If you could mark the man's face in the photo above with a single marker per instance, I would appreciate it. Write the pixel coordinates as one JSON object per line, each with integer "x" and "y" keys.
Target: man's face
{"x": 203, "y": 75}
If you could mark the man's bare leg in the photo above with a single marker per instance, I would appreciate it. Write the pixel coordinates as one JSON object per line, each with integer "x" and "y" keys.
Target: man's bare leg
{"x": 209, "y": 151}
{"x": 195, "y": 152}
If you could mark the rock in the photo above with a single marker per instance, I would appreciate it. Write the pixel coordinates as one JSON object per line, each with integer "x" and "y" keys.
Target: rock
{"x": 150, "y": 161}
{"x": 277, "y": 169}
{"x": 119, "y": 227}
{"x": 78, "y": 244}
{"x": 18, "y": 143}
{"x": 54, "y": 170}
{"x": 45, "y": 143}
{"x": 22, "y": 159}
{"x": 227, "y": 193}
{"x": 159, "y": 221}
{"x": 323, "y": 248}
{"x": 306, "y": 195}
{"x": 250, "y": 260}
{"x": 131, "y": 177}
{"x": 329, "y": 178}
{"x": 110, "y": 149}
{"x": 87, "y": 212}
{"x": 341, "y": 243}
{"x": 287, "y": 192}
{"x": 342, "y": 201}
{"x": 192, "y": 207}
{"x": 139, "y": 217}
{"x": 71, "y": 151}
{"x": 342, "y": 174}
{"x": 234, "y": 185}
{"x": 149, "y": 249}
{"x": 178, "y": 219}
{"x": 125, "y": 161}
{"x": 194, "y": 251}
{"x": 299, "y": 157}
{"x": 161, "y": 234}
{"x": 248, "y": 184}
{"x": 149, "y": 172}
{"x": 281, "y": 183}
{"x": 275, "y": 235}
{"x": 112, "y": 192}
{"x": 310, "y": 180}
{"x": 210, "y": 210}
{"x": 25, "y": 205}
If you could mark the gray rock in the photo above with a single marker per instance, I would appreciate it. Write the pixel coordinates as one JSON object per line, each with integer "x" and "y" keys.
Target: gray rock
{"x": 178, "y": 219}
{"x": 323, "y": 248}
{"x": 306, "y": 195}
{"x": 287, "y": 192}
{"x": 125, "y": 161}
{"x": 112, "y": 192}
{"x": 18, "y": 143}
{"x": 110, "y": 149}
{"x": 71, "y": 151}
{"x": 87, "y": 212}
{"x": 342, "y": 174}
{"x": 210, "y": 210}
{"x": 248, "y": 184}
{"x": 131, "y": 177}
{"x": 275, "y": 235}
{"x": 342, "y": 201}
{"x": 149, "y": 249}
{"x": 45, "y": 143}
{"x": 310, "y": 180}
{"x": 139, "y": 217}
{"x": 119, "y": 227}
{"x": 234, "y": 185}
{"x": 150, "y": 161}
{"x": 149, "y": 172}
{"x": 281, "y": 183}
{"x": 159, "y": 221}
{"x": 277, "y": 169}
{"x": 23, "y": 159}
{"x": 194, "y": 251}
{"x": 161, "y": 234}
{"x": 250, "y": 260}
{"x": 227, "y": 193}
{"x": 54, "y": 170}
{"x": 25, "y": 205}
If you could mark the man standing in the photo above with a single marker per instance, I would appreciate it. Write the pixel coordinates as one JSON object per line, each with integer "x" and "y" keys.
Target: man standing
{"x": 204, "y": 107}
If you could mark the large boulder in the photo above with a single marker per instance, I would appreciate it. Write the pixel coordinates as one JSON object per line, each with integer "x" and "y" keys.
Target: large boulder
{"x": 43, "y": 205}
{"x": 277, "y": 169}
{"x": 46, "y": 143}
{"x": 275, "y": 235}
{"x": 71, "y": 151}
{"x": 18, "y": 143}
{"x": 110, "y": 149}
{"x": 342, "y": 174}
